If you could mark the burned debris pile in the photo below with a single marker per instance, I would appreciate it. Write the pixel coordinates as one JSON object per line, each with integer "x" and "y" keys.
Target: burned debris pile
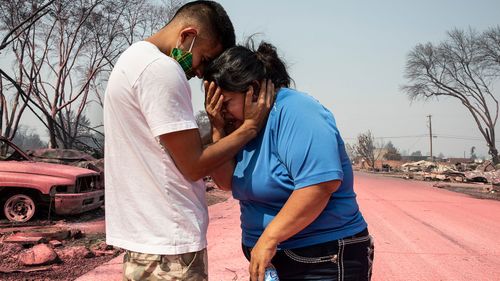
{"x": 484, "y": 172}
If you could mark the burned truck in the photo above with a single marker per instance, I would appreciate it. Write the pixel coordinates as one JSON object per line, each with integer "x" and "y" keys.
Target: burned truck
{"x": 27, "y": 186}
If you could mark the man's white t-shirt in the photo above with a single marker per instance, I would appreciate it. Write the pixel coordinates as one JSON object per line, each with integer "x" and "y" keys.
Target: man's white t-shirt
{"x": 150, "y": 206}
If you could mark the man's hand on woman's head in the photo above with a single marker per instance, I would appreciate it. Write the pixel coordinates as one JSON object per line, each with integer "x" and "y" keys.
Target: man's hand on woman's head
{"x": 256, "y": 111}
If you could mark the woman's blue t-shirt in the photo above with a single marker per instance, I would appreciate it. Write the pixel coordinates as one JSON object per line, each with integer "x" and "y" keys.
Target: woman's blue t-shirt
{"x": 300, "y": 146}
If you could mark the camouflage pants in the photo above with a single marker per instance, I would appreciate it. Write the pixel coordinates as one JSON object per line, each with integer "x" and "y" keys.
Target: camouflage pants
{"x": 189, "y": 266}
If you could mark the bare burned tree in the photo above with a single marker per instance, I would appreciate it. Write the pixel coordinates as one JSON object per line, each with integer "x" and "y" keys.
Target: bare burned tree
{"x": 27, "y": 21}
{"x": 463, "y": 67}
{"x": 351, "y": 152}
{"x": 366, "y": 149}
{"x": 16, "y": 20}
{"x": 392, "y": 152}
{"x": 137, "y": 20}
{"x": 490, "y": 48}
{"x": 61, "y": 61}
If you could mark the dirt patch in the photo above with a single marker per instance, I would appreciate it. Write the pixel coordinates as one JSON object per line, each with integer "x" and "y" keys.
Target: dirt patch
{"x": 480, "y": 191}
{"x": 215, "y": 196}
{"x": 12, "y": 270}
{"x": 70, "y": 269}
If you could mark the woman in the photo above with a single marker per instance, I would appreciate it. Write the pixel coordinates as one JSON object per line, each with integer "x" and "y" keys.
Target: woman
{"x": 294, "y": 181}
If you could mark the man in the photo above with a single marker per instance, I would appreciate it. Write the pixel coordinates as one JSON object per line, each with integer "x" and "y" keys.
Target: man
{"x": 155, "y": 200}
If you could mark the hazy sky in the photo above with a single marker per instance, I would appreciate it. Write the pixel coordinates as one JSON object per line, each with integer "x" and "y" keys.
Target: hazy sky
{"x": 351, "y": 55}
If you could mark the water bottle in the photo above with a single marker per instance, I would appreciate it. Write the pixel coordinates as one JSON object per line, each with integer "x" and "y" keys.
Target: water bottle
{"x": 271, "y": 274}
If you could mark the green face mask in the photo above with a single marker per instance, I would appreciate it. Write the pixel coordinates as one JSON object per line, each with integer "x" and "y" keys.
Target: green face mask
{"x": 185, "y": 59}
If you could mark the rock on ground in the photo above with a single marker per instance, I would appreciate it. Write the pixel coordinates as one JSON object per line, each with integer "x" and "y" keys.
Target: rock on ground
{"x": 75, "y": 252}
{"x": 38, "y": 255}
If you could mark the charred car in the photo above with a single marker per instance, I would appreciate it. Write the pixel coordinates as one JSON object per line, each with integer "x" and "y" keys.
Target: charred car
{"x": 27, "y": 186}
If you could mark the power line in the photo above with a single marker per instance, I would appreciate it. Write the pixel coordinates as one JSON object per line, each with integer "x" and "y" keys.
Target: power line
{"x": 394, "y": 137}
{"x": 461, "y": 138}
{"x": 414, "y": 143}
{"x": 434, "y": 135}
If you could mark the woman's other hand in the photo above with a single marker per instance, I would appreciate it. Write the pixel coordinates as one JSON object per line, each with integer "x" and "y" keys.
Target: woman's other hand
{"x": 213, "y": 106}
{"x": 261, "y": 256}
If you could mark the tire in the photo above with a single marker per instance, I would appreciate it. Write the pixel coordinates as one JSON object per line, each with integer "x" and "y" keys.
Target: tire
{"x": 19, "y": 207}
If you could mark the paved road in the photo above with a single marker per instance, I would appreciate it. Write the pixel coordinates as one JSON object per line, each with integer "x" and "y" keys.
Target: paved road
{"x": 425, "y": 233}
{"x": 421, "y": 233}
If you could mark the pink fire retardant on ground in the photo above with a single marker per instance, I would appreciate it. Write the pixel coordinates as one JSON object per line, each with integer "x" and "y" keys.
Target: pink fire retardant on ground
{"x": 225, "y": 258}
{"x": 422, "y": 233}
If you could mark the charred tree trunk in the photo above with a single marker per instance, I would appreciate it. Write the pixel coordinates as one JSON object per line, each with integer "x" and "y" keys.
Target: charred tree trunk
{"x": 464, "y": 67}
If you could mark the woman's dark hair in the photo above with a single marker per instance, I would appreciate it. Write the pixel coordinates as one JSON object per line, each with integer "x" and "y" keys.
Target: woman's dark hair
{"x": 238, "y": 67}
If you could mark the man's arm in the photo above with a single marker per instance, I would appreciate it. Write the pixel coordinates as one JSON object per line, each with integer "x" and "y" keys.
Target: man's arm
{"x": 194, "y": 162}
{"x": 223, "y": 175}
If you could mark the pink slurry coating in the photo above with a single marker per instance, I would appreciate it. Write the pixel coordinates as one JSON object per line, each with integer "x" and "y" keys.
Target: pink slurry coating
{"x": 421, "y": 233}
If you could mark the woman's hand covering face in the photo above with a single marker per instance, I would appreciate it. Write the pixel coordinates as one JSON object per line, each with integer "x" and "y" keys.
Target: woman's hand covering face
{"x": 255, "y": 111}
{"x": 213, "y": 105}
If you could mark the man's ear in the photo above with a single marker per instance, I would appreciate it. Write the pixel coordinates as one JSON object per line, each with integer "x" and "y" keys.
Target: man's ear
{"x": 187, "y": 33}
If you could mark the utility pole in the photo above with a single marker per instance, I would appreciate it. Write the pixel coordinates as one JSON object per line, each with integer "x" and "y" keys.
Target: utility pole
{"x": 430, "y": 135}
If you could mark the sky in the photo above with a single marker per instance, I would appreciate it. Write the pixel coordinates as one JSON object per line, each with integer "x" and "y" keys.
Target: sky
{"x": 351, "y": 55}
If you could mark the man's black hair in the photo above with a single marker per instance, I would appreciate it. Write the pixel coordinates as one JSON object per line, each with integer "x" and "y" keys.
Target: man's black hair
{"x": 214, "y": 16}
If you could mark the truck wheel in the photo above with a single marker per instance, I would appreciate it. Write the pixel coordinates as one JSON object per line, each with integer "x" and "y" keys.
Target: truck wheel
{"x": 19, "y": 208}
